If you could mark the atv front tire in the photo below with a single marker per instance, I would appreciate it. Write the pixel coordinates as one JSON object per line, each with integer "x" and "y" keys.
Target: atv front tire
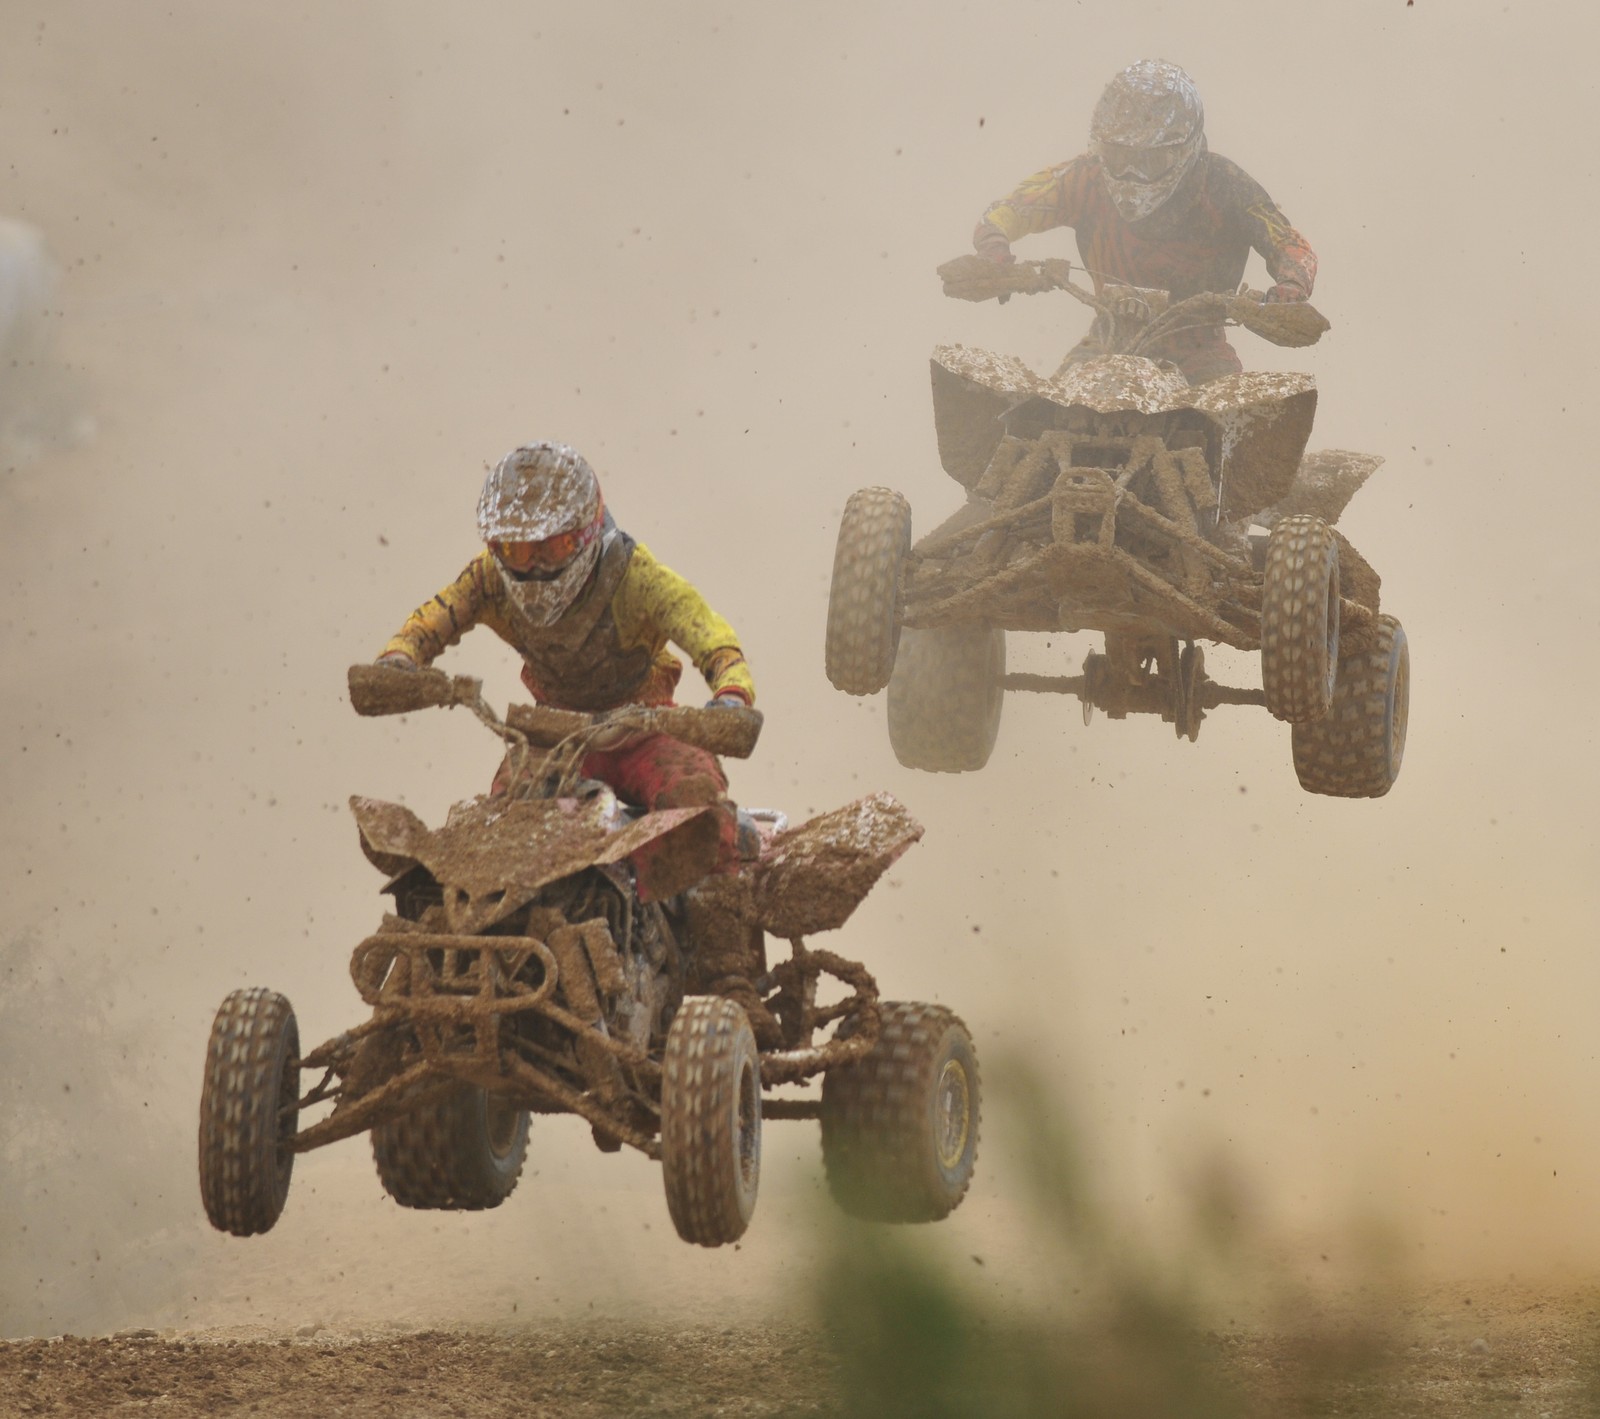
{"x": 900, "y": 1124}
{"x": 249, "y": 1111}
{"x": 711, "y": 1121}
{"x": 945, "y": 697}
{"x": 1355, "y": 750}
{"x": 461, "y": 1149}
{"x": 864, "y": 601}
{"x": 1300, "y": 619}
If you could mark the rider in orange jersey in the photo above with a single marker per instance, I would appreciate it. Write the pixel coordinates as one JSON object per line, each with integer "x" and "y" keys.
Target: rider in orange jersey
{"x": 1153, "y": 207}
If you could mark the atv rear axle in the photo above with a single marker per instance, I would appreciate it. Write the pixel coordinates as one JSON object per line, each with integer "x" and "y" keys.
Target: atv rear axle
{"x": 1117, "y": 701}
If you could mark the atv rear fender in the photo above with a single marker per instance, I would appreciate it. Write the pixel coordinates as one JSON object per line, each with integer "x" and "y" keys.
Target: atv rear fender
{"x": 814, "y": 876}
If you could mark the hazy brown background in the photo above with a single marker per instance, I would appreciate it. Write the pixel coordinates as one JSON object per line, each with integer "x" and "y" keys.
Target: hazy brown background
{"x": 324, "y": 262}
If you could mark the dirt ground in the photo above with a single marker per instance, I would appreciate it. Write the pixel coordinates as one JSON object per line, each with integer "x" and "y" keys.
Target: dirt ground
{"x": 1456, "y": 1350}
{"x": 548, "y": 1371}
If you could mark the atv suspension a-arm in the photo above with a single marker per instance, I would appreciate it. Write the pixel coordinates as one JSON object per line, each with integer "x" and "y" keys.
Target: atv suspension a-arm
{"x": 1058, "y": 551}
{"x": 1118, "y": 546}
{"x": 442, "y": 1003}
{"x": 444, "y": 1000}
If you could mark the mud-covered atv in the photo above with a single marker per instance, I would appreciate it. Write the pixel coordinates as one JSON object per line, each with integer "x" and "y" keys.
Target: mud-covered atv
{"x": 520, "y": 973}
{"x": 1113, "y": 496}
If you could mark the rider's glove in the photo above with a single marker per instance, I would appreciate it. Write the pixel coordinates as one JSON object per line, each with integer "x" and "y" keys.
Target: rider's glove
{"x": 1130, "y": 306}
{"x": 1284, "y": 294}
{"x": 993, "y": 246}
{"x": 398, "y": 660}
{"x": 729, "y": 699}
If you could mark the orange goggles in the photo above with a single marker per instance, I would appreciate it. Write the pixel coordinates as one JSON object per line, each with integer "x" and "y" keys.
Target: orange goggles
{"x": 553, "y": 554}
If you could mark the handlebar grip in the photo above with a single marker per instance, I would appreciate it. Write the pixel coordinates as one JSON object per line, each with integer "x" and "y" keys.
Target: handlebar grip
{"x": 387, "y": 689}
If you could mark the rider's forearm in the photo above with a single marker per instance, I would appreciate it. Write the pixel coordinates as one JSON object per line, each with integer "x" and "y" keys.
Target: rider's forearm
{"x": 440, "y": 623}
{"x": 1289, "y": 257}
{"x": 726, "y": 672}
{"x": 655, "y": 604}
{"x": 1295, "y": 265}
{"x": 1007, "y": 221}
{"x": 1052, "y": 197}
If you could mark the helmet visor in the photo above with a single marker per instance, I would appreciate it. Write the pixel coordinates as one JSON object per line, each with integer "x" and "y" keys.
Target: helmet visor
{"x": 545, "y": 558}
{"x": 1141, "y": 164}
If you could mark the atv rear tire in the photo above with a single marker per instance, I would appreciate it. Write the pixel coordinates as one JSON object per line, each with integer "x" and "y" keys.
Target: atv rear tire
{"x": 945, "y": 697}
{"x": 900, "y": 1125}
{"x": 864, "y": 601}
{"x": 249, "y": 1111}
{"x": 461, "y": 1149}
{"x": 711, "y": 1121}
{"x": 1355, "y": 750}
{"x": 1300, "y": 619}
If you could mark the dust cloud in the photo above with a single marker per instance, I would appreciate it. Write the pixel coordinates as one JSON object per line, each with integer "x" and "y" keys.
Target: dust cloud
{"x": 321, "y": 264}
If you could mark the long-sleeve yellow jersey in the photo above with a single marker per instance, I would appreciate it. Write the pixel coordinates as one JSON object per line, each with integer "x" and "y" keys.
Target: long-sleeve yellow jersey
{"x": 618, "y": 654}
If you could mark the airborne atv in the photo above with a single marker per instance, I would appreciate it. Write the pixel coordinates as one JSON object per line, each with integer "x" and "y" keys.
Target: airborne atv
{"x": 1114, "y": 497}
{"x": 520, "y": 973}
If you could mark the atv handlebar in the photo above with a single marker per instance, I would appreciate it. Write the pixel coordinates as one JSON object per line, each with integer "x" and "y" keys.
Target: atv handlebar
{"x": 386, "y": 689}
{"x": 1288, "y": 323}
{"x": 728, "y": 732}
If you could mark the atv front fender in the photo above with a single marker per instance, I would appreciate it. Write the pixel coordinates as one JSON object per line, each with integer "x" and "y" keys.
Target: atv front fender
{"x": 493, "y": 855}
{"x": 1262, "y": 420}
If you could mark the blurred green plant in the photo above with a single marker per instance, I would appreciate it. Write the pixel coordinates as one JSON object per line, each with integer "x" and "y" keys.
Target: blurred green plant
{"x": 1120, "y": 1327}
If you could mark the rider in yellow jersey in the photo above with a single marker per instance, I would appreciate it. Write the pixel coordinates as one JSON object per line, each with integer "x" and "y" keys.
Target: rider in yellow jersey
{"x": 591, "y": 612}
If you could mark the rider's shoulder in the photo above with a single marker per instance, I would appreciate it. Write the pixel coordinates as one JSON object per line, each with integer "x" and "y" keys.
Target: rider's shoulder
{"x": 643, "y": 574}
{"x": 1081, "y": 164}
{"x": 1061, "y": 172}
{"x": 1224, "y": 176}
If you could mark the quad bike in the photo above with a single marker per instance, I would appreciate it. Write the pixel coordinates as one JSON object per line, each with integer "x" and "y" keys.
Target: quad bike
{"x": 520, "y": 972}
{"x": 1115, "y": 497}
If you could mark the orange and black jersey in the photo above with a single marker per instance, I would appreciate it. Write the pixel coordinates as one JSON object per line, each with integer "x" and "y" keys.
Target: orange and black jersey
{"x": 1199, "y": 240}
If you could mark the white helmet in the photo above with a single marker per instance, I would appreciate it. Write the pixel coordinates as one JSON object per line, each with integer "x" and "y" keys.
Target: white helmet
{"x": 1148, "y": 132}
{"x": 542, "y": 516}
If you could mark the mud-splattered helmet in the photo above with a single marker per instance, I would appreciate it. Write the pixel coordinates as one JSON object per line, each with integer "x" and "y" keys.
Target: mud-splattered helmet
{"x": 1147, "y": 131}
{"x": 542, "y": 516}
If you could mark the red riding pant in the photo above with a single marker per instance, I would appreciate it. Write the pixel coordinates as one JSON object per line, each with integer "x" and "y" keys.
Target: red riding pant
{"x": 658, "y": 771}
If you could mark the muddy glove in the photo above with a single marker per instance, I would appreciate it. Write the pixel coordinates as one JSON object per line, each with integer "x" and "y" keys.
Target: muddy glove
{"x": 992, "y": 245}
{"x": 397, "y": 660}
{"x": 1281, "y": 294}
